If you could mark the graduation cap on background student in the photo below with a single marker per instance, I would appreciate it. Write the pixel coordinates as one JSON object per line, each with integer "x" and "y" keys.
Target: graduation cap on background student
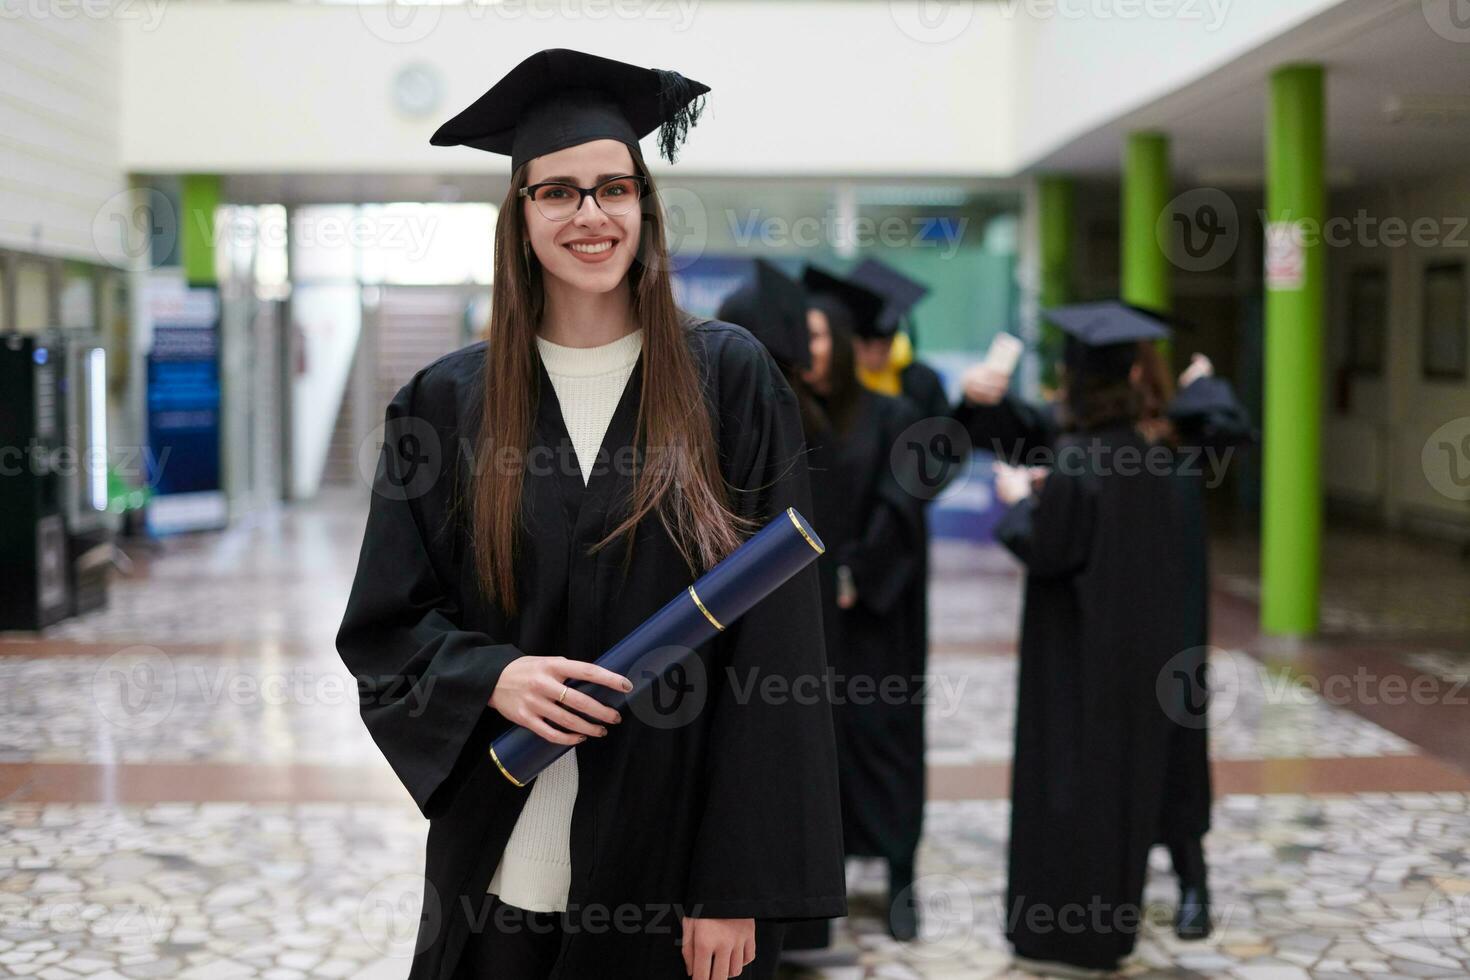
{"x": 864, "y": 304}
{"x": 559, "y": 98}
{"x": 899, "y": 292}
{"x": 1109, "y": 322}
{"x": 1102, "y": 337}
{"x": 773, "y": 307}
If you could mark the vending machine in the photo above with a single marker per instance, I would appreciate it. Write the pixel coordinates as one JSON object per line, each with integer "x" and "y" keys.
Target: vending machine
{"x": 33, "y": 535}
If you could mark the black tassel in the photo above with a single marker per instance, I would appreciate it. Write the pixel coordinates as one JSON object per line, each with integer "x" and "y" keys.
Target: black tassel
{"x": 680, "y": 109}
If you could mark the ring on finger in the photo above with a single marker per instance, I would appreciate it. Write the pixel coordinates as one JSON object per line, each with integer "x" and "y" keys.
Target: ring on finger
{"x": 564, "y": 690}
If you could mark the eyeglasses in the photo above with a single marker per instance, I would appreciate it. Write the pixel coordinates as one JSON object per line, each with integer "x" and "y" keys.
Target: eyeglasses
{"x": 558, "y": 201}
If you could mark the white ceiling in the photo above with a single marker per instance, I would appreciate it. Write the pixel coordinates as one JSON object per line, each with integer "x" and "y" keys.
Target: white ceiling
{"x": 1374, "y": 54}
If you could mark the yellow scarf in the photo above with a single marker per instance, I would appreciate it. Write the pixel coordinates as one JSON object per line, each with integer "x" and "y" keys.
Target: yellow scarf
{"x": 886, "y": 380}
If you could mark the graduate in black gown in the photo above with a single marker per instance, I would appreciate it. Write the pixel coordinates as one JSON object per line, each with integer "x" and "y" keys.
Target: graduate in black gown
{"x": 1204, "y": 422}
{"x": 886, "y": 360}
{"x": 871, "y": 571}
{"x": 490, "y": 574}
{"x": 1103, "y": 617}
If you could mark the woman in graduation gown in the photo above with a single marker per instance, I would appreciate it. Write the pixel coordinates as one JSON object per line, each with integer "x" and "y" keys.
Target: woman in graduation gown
{"x": 1102, "y": 617}
{"x": 871, "y": 574}
{"x": 493, "y": 569}
{"x": 1203, "y": 420}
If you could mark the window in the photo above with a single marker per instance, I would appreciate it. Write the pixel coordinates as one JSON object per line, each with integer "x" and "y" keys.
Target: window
{"x": 1443, "y": 338}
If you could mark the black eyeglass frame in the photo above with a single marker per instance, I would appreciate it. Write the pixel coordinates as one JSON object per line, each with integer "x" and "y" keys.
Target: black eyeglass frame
{"x": 583, "y": 193}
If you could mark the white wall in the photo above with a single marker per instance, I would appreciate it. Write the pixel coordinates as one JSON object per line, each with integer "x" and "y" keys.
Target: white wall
{"x": 809, "y": 87}
{"x": 60, "y": 142}
{"x": 1081, "y": 63}
{"x": 1375, "y": 450}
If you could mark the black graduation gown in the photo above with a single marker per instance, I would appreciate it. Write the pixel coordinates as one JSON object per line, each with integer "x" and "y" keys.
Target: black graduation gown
{"x": 1102, "y": 616}
{"x": 924, "y": 389}
{"x": 874, "y": 527}
{"x": 922, "y": 386}
{"x": 1209, "y": 419}
{"x": 734, "y": 813}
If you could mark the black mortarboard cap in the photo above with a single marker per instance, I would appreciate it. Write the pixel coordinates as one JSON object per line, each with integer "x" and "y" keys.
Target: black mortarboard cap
{"x": 559, "y": 98}
{"x": 864, "y": 304}
{"x": 772, "y": 306}
{"x": 899, "y": 293}
{"x": 1108, "y": 322}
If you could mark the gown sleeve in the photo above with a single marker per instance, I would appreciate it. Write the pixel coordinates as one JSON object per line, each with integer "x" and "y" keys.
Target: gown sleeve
{"x": 423, "y": 682}
{"x": 886, "y": 559}
{"x": 1012, "y": 428}
{"x": 923, "y": 391}
{"x": 1051, "y": 531}
{"x": 769, "y": 839}
{"x": 1207, "y": 414}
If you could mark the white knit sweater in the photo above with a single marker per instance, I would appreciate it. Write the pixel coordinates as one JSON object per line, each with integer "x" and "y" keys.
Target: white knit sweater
{"x": 535, "y": 871}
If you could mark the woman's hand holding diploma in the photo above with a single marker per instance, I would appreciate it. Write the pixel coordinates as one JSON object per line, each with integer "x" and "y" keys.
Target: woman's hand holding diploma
{"x": 532, "y": 692}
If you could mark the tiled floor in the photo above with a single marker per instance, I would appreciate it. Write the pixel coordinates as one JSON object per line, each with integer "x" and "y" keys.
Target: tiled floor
{"x": 186, "y": 789}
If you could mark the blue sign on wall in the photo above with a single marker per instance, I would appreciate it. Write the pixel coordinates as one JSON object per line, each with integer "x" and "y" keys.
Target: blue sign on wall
{"x": 184, "y": 412}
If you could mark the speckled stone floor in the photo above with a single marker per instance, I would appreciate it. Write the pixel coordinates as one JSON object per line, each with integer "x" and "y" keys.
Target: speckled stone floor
{"x": 186, "y": 789}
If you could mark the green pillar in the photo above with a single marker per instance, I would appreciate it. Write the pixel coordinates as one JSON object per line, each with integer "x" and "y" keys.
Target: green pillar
{"x": 199, "y": 195}
{"x": 1054, "y": 202}
{"x": 1291, "y": 515}
{"x": 1146, "y": 187}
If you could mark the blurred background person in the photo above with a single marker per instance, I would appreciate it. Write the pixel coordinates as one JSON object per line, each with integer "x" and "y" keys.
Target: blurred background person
{"x": 1103, "y": 615}
{"x": 1203, "y": 417}
{"x": 870, "y": 571}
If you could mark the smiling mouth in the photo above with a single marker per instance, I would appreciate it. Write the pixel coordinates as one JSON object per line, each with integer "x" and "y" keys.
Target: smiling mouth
{"x": 592, "y": 248}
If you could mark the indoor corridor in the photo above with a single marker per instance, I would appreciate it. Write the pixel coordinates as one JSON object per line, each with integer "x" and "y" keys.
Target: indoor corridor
{"x": 188, "y": 790}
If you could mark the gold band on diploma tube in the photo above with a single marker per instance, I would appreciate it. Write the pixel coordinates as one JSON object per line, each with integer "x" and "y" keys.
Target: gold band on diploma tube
{"x": 791, "y": 513}
{"x": 707, "y": 614}
{"x": 502, "y": 769}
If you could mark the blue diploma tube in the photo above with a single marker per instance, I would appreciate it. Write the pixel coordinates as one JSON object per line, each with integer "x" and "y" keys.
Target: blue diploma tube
{"x": 766, "y": 561}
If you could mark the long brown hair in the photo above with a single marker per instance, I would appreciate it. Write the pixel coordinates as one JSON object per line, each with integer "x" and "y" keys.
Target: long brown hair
{"x": 1157, "y": 384}
{"x": 679, "y": 479}
{"x": 843, "y": 387}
